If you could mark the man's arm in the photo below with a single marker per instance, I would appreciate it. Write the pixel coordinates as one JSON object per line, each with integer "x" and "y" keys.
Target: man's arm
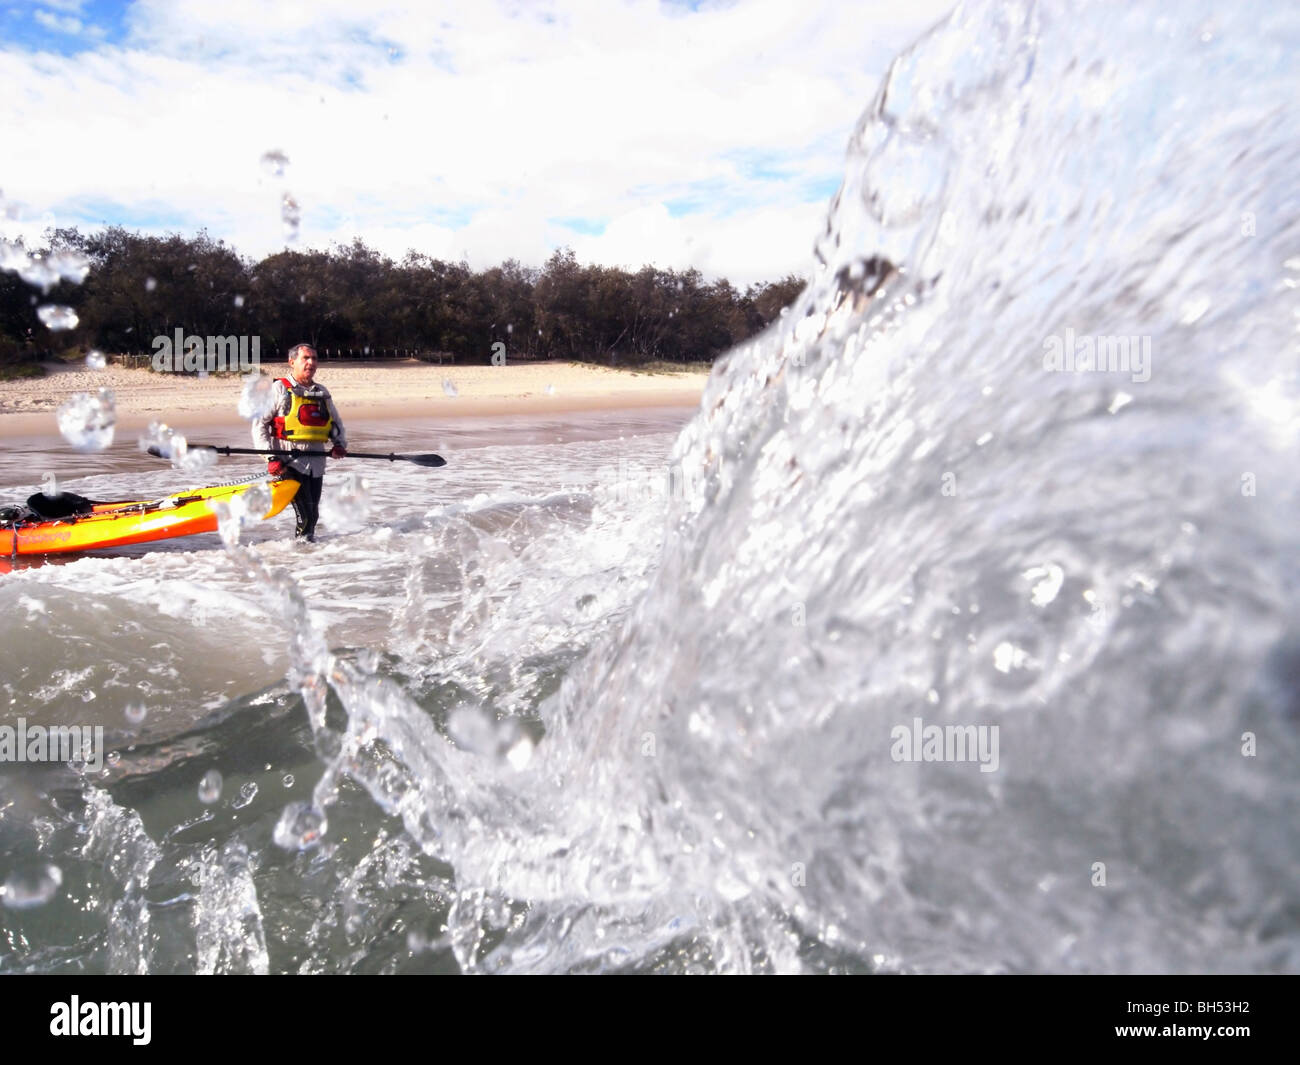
{"x": 338, "y": 434}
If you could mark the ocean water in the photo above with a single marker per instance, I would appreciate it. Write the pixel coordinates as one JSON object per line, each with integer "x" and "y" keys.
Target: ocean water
{"x": 1020, "y": 461}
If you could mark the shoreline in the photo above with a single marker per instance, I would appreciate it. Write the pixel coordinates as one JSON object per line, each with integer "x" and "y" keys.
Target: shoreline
{"x": 363, "y": 393}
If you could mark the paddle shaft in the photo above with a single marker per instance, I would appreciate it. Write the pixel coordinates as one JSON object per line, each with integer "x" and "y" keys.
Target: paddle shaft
{"x": 420, "y": 460}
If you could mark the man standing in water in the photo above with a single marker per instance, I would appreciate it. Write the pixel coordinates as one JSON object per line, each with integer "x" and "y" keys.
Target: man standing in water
{"x": 302, "y": 422}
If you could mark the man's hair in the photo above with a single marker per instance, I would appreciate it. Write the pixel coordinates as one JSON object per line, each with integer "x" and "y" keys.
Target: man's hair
{"x": 293, "y": 351}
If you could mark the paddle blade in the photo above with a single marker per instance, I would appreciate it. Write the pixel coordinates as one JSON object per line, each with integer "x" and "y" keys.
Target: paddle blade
{"x": 420, "y": 460}
{"x": 158, "y": 453}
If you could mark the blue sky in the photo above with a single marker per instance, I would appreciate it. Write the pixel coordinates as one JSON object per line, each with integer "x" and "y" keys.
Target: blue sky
{"x": 64, "y": 28}
{"x": 684, "y": 134}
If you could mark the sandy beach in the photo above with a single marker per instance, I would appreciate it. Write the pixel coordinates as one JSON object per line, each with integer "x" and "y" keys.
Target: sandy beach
{"x": 408, "y": 389}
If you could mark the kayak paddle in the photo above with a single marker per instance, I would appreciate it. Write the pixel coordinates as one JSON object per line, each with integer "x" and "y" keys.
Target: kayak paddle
{"x": 433, "y": 461}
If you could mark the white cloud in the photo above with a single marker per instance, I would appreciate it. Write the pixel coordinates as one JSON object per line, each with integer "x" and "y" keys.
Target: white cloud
{"x": 59, "y": 24}
{"x": 486, "y": 126}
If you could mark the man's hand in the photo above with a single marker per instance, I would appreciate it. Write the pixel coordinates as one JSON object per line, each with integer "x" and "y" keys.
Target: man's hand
{"x": 275, "y": 467}
{"x": 338, "y": 451}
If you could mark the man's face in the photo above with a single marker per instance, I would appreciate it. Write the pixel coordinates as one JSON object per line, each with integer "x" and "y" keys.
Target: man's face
{"x": 303, "y": 365}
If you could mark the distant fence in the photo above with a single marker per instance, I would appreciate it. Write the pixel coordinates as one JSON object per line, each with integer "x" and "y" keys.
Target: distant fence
{"x": 136, "y": 360}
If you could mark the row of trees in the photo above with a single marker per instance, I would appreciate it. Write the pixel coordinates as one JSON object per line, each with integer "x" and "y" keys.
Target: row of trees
{"x": 140, "y": 287}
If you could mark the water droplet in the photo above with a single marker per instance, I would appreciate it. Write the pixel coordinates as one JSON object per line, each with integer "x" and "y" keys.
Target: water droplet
{"x": 905, "y": 178}
{"x": 32, "y": 269}
{"x": 290, "y": 216}
{"x": 275, "y": 162}
{"x": 25, "y": 888}
{"x": 196, "y": 460}
{"x": 472, "y": 730}
{"x": 210, "y": 787}
{"x": 1047, "y": 579}
{"x": 230, "y": 519}
{"x": 347, "y": 503}
{"x": 69, "y": 265}
{"x": 288, "y": 780}
{"x": 57, "y": 317}
{"x": 301, "y": 826}
{"x": 43, "y": 271}
{"x": 95, "y": 360}
{"x": 150, "y": 284}
{"x": 449, "y": 388}
{"x": 165, "y": 440}
{"x": 88, "y": 422}
{"x": 247, "y": 794}
{"x": 136, "y": 713}
{"x": 174, "y": 445}
{"x": 257, "y": 401}
{"x": 239, "y": 301}
{"x": 550, "y": 390}
{"x": 257, "y": 501}
{"x": 520, "y": 753}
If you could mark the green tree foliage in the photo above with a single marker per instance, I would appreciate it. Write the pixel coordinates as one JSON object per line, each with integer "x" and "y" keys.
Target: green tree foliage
{"x": 353, "y": 298}
{"x": 18, "y": 321}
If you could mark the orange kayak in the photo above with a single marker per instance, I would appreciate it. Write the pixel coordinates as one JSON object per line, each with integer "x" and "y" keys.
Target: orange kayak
{"x": 135, "y": 521}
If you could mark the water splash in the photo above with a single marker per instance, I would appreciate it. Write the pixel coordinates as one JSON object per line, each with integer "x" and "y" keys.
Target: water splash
{"x": 43, "y": 270}
{"x": 290, "y": 216}
{"x": 241, "y": 511}
{"x": 905, "y": 410}
{"x": 88, "y": 422}
{"x": 274, "y": 163}
{"x": 504, "y": 740}
{"x": 247, "y": 793}
{"x": 347, "y": 503}
{"x": 722, "y": 774}
{"x": 257, "y": 397}
{"x": 301, "y": 827}
{"x": 57, "y": 318}
{"x": 257, "y": 501}
{"x": 25, "y": 889}
{"x": 229, "y": 936}
{"x": 210, "y": 787}
{"x": 158, "y": 437}
{"x": 115, "y": 840}
{"x": 197, "y": 460}
{"x": 896, "y": 510}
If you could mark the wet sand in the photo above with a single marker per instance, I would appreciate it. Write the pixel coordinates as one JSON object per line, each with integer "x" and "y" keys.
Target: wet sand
{"x": 364, "y": 392}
